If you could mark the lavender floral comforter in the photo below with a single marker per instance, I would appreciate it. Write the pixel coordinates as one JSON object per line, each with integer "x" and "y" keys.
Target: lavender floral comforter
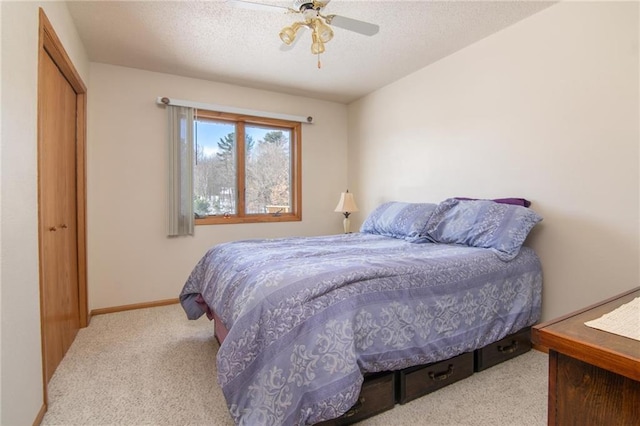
{"x": 308, "y": 315}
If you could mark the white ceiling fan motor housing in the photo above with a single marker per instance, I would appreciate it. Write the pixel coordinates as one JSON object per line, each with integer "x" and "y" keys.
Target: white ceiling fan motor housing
{"x": 302, "y": 5}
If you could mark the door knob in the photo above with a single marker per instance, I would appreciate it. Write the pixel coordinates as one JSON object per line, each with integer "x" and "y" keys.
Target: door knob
{"x": 63, "y": 226}
{"x": 52, "y": 228}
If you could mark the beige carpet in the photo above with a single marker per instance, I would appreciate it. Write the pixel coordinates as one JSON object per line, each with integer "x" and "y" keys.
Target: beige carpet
{"x": 154, "y": 367}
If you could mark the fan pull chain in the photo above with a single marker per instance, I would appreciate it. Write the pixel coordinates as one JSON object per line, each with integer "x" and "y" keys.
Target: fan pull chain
{"x": 319, "y": 64}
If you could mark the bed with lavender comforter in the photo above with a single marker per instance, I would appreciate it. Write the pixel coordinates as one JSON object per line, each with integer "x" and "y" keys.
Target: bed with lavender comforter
{"x": 307, "y": 316}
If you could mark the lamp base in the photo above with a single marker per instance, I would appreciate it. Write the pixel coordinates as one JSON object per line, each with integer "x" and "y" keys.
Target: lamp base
{"x": 346, "y": 223}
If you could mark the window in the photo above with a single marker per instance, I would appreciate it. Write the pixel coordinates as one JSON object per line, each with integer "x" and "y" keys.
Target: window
{"x": 247, "y": 169}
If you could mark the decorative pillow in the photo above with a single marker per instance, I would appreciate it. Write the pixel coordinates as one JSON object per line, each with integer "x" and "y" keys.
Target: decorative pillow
{"x": 515, "y": 201}
{"x": 482, "y": 223}
{"x": 398, "y": 220}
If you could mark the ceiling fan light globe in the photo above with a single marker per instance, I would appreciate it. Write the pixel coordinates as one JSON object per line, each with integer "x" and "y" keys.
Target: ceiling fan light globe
{"x": 317, "y": 47}
{"x": 325, "y": 32}
{"x": 288, "y": 34}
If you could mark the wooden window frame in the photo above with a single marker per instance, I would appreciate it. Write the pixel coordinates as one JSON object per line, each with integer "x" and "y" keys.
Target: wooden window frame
{"x": 296, "y": 170}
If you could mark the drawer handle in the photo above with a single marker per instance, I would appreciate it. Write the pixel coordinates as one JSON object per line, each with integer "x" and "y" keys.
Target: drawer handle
{"x": 441, "y": 376}
{"x": 508, "y": 349}
{"x": 356, "y": 408}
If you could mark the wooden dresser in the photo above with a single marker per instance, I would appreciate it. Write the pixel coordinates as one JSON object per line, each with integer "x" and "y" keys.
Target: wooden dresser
{"x": 594, "y": 376}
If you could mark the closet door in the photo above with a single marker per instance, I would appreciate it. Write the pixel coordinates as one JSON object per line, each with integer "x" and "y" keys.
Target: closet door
{"x": 60, "y": 308}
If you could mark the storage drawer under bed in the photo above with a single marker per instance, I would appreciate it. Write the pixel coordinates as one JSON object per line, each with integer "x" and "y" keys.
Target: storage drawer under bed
{"x": 415, "y": 382}
{"x": 377, "y": 395}
{"x": 511, "y": 346}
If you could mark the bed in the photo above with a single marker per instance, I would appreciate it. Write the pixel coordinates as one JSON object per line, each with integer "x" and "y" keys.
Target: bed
{"x": 302, "y": 320}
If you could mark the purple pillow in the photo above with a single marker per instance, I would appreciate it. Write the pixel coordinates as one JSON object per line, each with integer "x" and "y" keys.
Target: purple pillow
{"x": 513, "y": 201}
{"x": 398, "y": 220}
{"x": 499, "y": 227}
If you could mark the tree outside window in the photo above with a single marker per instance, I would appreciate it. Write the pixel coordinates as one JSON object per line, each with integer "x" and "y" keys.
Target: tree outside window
{"x": 247, "y": 169}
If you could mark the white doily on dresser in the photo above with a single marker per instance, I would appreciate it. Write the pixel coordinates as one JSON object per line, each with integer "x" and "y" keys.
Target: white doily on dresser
{"x": 624, "y": 320}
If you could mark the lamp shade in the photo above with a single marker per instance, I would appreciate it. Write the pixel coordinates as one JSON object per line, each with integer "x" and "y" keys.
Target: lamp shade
{"x": 346, "y": 203}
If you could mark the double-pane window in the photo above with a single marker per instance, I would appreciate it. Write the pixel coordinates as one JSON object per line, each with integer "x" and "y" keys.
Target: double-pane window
{"x": 247, "y": 169}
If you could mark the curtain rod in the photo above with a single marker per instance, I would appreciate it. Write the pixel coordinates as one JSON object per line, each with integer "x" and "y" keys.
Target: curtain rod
{"x": 233, "y": 110}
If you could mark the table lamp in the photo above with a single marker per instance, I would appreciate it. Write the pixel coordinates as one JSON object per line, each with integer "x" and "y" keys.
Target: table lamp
{"x": 346, "y": 206}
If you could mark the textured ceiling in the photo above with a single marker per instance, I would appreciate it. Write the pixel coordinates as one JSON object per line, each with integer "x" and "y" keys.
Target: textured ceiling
{"x": 213, "y": 40}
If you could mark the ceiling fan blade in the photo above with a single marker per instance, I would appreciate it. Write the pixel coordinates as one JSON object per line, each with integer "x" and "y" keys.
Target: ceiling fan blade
{"x": 354, "y": 25}
{"x": 256, "y": 6}
{"x": 284, "y": 47}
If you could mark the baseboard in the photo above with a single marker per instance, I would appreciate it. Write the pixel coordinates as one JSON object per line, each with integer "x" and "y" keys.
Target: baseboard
{"x": 122, "y": 308}
{"x": 40, "y": 415}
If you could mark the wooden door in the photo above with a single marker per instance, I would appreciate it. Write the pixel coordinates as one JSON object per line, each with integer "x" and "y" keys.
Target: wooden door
{"x": 61, "y": 200}
{"x": 59, "y": 256}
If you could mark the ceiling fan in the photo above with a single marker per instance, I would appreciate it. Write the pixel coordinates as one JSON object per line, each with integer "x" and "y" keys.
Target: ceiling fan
{"x": 313, "y": 19}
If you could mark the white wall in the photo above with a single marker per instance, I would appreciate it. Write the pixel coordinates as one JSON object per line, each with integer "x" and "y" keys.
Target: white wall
{"x": 547, "y": 110}
{"x": 22, "y": 396}
{"x": 130, "y": 258}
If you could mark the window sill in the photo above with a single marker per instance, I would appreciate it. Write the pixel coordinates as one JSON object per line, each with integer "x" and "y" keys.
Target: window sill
{"x": 221, "y": 220}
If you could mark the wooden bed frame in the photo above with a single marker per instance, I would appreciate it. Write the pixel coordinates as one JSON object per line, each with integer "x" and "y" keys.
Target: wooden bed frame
{"x": 382, "y": 391}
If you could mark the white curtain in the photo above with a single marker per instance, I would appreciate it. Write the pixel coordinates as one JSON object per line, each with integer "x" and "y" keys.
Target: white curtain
{"x": 180, "y": 188}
